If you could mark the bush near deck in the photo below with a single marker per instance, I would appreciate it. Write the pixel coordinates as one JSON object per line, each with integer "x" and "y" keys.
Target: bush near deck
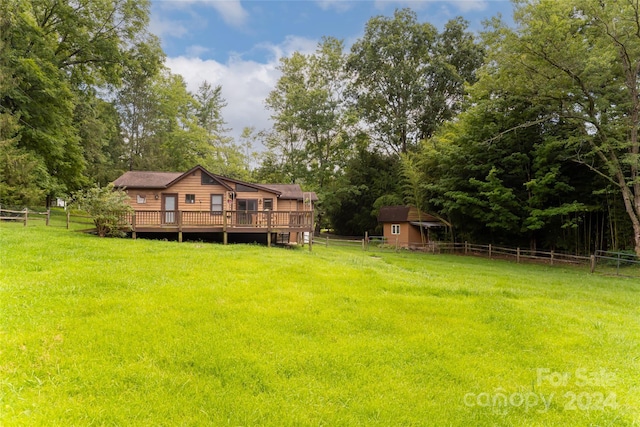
{"x": 138, "y": 332}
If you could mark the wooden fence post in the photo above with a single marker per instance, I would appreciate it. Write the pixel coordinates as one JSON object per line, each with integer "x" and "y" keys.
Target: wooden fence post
{"x": 593, "y": 263}
{"x": 551, "y": 257}
{"x": 466, "y": 247}
{"x": 26, "y": 216}
{"x": 518, "y": 255}
{"x": 68, "y": 217}
{"x": 48, "y": 214}
{"x": 489, "y": 250}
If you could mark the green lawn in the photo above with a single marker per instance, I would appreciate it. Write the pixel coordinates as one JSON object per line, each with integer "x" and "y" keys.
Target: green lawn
{"x": 122, "y": 332}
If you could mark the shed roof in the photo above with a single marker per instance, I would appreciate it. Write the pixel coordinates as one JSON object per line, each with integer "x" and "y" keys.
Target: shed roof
{"x": 406, "y": 214}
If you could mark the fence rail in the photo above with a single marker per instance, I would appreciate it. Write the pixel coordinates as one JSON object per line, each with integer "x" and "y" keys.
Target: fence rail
{"x": 604, "y": 262}
{"x": 24, "y": 215}
{"x": 625, "y": 263}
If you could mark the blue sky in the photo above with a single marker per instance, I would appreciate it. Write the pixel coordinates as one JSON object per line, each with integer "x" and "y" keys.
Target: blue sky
{"x": 238, "y": 44}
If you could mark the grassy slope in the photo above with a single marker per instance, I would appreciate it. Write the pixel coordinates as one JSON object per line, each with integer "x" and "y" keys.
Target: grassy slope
{"x": 123, "y": 332}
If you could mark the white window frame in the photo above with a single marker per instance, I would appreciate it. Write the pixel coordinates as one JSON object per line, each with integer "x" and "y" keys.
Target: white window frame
{"x": 141, "y": 199}
{"x": 215, "y": 205}
{"x": 395, "y": 229}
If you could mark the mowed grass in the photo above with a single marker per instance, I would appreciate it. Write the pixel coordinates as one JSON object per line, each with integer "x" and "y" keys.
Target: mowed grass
{"x": 152, "y": 333}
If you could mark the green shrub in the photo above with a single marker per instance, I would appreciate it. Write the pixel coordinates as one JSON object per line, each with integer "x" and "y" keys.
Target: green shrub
{"x": 107, "y": 206}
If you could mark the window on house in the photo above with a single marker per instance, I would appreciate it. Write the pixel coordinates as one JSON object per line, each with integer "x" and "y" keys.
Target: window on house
{"x": 245, "y": 189}
{"x": 267, "y": 204}
{"x": 207, "y": 180}
{"x": 395, "y": 228}
{"x": 216, "y": 203}
{"x": 141, "y": 198}
{"x": 190, "y": 198}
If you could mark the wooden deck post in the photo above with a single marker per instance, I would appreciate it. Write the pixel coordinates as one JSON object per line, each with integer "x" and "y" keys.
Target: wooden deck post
{"x": 179, "y": 214}
{"x": 134, "y": 235}
{"x": 311, "y": 230}
{"x": 268, "y": 213}
{"x": 225, "y": 238}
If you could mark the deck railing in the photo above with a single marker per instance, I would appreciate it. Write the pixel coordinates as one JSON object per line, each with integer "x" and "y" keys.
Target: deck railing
{"x": 225, "y": 219}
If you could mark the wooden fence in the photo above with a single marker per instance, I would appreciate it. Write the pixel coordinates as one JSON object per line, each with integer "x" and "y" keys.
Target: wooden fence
{"x": 25, "y": 215}
{"x": 519, "y": 255}
{"x": 51, "y": 217}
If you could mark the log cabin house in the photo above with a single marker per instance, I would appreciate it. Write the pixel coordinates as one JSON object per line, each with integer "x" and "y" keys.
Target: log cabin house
{"x": 198, "y": 201}
{"x": 401, "y": 226}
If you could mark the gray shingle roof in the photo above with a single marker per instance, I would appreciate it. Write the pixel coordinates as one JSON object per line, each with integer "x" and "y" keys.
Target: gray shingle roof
{"x": 143, "y": 179}
{"x": 290, "y": 191}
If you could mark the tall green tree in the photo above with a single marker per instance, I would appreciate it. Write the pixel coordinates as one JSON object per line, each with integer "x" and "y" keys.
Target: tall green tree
{"x": 407, "y": 79}
{"x": 137, "y": 103}
{"x": 504, "y": 184}
{"x": 370, "y": 176}
{"x": 311, "y": 123}
{"x": 58, "y": 50}
{"x": 582, "y": 59}
{"x": 224, "y": 156}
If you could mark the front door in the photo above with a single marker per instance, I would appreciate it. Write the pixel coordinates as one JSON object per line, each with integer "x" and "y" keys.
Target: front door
{"x": 169, "y": 206}
{"x": 246, "y": 209}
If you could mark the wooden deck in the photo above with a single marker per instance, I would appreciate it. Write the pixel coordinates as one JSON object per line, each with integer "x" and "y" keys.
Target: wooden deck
{"x": 267, "y": 222}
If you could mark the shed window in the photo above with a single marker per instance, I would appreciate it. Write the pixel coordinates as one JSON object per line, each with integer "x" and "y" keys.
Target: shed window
{"x": 141, "y": 198}
{"x": 190, "y": 198}
{"x": 267, "y": 204}
{"x": 395, "y": 228}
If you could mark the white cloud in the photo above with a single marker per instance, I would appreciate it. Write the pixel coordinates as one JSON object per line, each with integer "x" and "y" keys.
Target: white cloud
{"x": 337, "y": 5}
{"x": 162, "y": 27}
{"x": 197, "y": 50}
{"x": 231, "y": 10}
{"x": 290, "y": 45}
{"x": 245, "y": 83}
{"x": 462, "y": 5}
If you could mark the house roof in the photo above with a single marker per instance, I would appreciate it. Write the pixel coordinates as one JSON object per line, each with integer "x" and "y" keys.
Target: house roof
{"x": 406, "y": 214}
{"x": 143, "y": 179}
{"x": 160, "y": 180}
{"x": 291, "y": 191}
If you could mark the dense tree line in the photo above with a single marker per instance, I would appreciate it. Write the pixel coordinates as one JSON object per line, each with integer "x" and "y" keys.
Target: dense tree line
{"x": 85, "y": 95}
{"x": 525, "y": 135}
